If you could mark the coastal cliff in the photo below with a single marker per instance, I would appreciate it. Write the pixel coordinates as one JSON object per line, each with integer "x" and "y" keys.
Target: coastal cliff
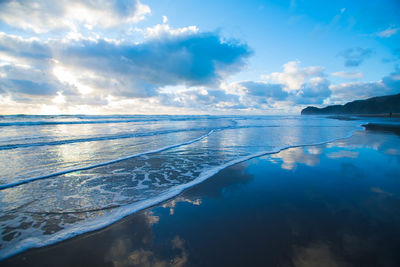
{"x": 374, "y": 105}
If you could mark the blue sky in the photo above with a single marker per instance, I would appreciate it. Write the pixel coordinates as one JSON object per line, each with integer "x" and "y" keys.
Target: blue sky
{"x": 194, "y": 57}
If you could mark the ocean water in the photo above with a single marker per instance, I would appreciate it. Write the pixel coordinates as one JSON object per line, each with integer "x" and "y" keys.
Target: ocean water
{"x": 61, "y": 176}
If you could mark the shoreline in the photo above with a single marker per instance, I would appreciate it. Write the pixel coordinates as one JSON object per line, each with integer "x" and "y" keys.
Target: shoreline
{"x": 128, "y": 210}
{"x": 79, "y": 238}
{"x": 357, "y": 116}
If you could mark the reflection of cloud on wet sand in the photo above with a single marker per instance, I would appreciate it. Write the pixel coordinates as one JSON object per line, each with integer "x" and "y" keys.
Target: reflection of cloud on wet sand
{"x": 291, "y": 157}
{"x": 315, "y": 255}
{"x": 381, "y": 192}
{"x": 376, "y": 141}
{"x": 381, "y": 142}
{"x": 122, "y": 254}
{"x": 314, "y": 150}
{"x": 178, "y": 243}
{"x": 151, "y": 218}
{"x": 393, "y": 151}
{"x": 359, "y": 140}
{"x": 172, "y": 203}
{"x": 343, "y": 154}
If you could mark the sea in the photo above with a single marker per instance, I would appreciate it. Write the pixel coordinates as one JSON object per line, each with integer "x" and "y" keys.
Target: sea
{"x": 65, "y": 175}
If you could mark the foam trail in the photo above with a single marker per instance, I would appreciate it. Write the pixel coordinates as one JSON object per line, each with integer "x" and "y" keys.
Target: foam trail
{"x": 30, "y": 180}
{"x": 100, "y": 138}
{"x": 123, "y": 211}
{"x": 97, "y": 120}
{"x": 121, "y": 136}
{"x": 125, "y": 136}
{"x": 36, "y": 123}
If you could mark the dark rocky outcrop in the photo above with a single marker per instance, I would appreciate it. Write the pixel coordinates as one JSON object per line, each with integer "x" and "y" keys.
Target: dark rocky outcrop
{"x": 388, "y": 128}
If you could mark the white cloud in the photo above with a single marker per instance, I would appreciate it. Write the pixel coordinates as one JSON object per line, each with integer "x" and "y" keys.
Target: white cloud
{"x": 345, "y": 92}
{"x": 262, "y": 89}
{"x": 303, "y": 85}
{"x": 164, "y": 70}
{"x": 253, "y": 96}
{"x": 293, "y": 76}
{"x": 389, "y": 84}
{"x": 388, "y": 32}
{"x": 202, "y": 99}
{"x": 18, "y": 50}
{"x": 347, "y": 75}
{"x": 23, "y": 82}
{"x": 357, "y": 90}
{"x": 59, "y": 99}
{"x": 315, "y": 91}
{"x": 108, "y": 76}
{"x": 75, "y": 78}
{"x": 48, "y": 15}
{"x": 164, "y": 30}
{"x": 87, "y": 70}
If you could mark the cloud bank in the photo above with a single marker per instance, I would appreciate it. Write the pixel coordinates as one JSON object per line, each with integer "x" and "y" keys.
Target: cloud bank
{"x": 47, "y": 15}
{"x": 63, "y": 60}
{"x": 105, "y": 67}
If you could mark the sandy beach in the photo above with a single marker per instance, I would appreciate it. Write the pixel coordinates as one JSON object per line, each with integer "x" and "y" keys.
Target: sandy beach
{"x": 309, "y": 206}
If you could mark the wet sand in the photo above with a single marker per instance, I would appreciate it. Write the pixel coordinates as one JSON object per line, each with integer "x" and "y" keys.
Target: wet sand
{"x": 330, "y": 205}
{"x": 383, "y": 115}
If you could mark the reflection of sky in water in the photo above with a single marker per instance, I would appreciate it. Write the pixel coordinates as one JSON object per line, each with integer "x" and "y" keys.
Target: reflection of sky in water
{"x": 77, "y": 199}
{"x": 338, "y": 206}
{"x": 290, "y": 158}
{"x": 172, "y": 204}
{"x": 327, "y": 205}
{"x": 25, "y": 162}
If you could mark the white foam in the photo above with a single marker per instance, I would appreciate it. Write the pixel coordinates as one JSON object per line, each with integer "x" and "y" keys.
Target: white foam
{"x": 123, "y": 211}
{"x": 29, "y": 180}
{"x": 98, "y": 138}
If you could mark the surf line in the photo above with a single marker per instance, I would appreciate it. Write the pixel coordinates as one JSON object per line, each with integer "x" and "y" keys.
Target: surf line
{"x": 116, "y": 137}
{"x": 51, "y": 175}
{"x": 123, "y": 211}
{"x": 99, "y": 138}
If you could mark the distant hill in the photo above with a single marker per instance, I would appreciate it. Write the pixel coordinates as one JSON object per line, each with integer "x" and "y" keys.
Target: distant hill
{"x": 374, "y": 105}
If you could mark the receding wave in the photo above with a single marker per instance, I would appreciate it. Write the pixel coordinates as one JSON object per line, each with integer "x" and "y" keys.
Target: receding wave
{"x": 97, "y": 138}
{"x": 130, "y": 135}
{"x": 53, "y": 193}
{"x": 29, "y": 180}
{"x": 118, "y": 212}
{"x": 100, "y": 120}
{"x": 35, "y": 123}
{"x": 120, "y": 136}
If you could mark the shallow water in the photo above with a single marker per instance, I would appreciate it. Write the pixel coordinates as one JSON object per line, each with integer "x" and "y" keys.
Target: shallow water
{"x": 65, "y": 175}
{"x": 336, "y": 204}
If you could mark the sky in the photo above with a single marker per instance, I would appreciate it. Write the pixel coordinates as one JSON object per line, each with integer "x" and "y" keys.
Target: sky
{"x": 195, "y": 57}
